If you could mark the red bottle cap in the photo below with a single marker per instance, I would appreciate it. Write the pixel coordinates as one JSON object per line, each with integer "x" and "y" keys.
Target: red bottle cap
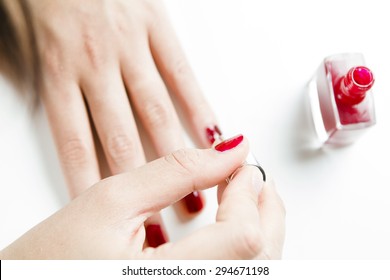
{"x": 353, "y": 86}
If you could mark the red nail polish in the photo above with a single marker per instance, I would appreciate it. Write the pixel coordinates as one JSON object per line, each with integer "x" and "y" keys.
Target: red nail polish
{"x": 212, "y": 133}
{"x": 193, "y": 202}
{"x": 229, "y": 143}
{"x": 341, "y": 99}
{"x": 155, "y": 236}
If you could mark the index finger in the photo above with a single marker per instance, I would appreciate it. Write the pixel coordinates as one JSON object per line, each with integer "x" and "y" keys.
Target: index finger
{"x": 72, "y": 132}
{"x": 164, "y": 181}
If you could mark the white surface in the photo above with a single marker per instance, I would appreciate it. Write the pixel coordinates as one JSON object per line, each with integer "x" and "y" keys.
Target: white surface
{"x": 252, "y": 59}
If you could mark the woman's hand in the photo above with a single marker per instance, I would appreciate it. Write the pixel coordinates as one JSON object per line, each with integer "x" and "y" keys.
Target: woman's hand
{"x": 111, "y": 68}
{"x": 107, "y": 221}
{"x": 106, "y": 64}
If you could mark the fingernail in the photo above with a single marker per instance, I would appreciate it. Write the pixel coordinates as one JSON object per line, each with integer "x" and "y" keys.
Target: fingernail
{"x": 155, "y": 236}
{"x": 212, "y": 133}
{"x": 193, "y": 202}
{"x": 230, "y": 143}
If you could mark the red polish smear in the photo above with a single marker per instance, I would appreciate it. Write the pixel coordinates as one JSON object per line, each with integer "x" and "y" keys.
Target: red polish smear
{"x": 155, "y": 236}
{"x": 211, "y": 133}
{"x": 194, "y": 202}
{"x": 230, "y": 143}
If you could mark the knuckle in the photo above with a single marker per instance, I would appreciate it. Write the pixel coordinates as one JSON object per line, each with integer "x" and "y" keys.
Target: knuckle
{"x": 120, "y": 148}
{"x": 249, "y": 241}
{"x": 153, "y": 10}
{"x": 93, "y": 50}
{"x": 53, "y": 64}
{"x": 157, "y": 115}
{"x": 74, "y": 152}
{"x": 180, "y": 69}
{"x": 186, "y": 161}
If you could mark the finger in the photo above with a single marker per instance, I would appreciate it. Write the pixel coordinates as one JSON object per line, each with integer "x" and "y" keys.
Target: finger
{"x": 237, "y": 233}
{"x": 180, "y": 79}
{"x": 114, "y": 121}
{"x": 240, "y": 198}
{"x": 152, "y": 103}
{"x": 157, "y": 113}
{"x": 272, "y": 217}
{"x": 119, "y": 136}
{"x": 69, "y": 121}
{"x": 162, "y": 182}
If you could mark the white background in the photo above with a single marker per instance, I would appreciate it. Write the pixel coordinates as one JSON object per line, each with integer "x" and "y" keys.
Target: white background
{"x": 253, "y": 60}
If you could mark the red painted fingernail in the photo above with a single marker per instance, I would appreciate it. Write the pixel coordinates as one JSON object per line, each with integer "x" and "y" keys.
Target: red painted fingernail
{"x": 212, "y": 133}
{"x": 229, "y": 143}
{"x": 155, "y": 236}
{"x": 193, "y": 202}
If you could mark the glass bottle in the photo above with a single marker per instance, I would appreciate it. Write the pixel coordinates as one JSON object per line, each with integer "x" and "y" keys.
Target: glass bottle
{"x": 341, "y": 99}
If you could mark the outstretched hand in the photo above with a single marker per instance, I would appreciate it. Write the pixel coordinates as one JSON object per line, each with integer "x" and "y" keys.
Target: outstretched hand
{"x": 113, "y": 66}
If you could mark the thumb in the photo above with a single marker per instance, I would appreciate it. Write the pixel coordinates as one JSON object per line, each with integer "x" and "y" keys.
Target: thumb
{"x": 162, "y": 182}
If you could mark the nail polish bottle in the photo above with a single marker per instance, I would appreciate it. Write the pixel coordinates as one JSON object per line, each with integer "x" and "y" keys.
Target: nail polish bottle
{"x": 341, "y": 99}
